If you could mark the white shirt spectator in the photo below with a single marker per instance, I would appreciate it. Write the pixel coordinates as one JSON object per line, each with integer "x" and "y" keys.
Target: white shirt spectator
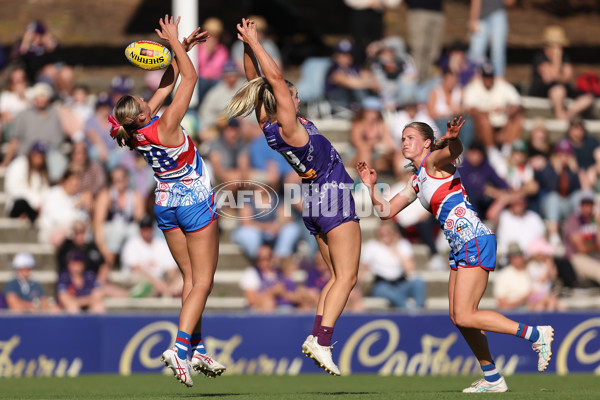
{"x": 250, "y": 279}
{"x": 521, "y": 229}
{"x": 18, "y": 185}
{"x": 154, "y": 258}
{"x": 384, "y": 261}
{"x": 59, "y": 212}
{"x": 493, "y": 101}
{"x": 512, "y": 284}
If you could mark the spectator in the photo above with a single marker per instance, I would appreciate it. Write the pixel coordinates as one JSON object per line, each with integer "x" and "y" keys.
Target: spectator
{"x": 257, "y": 227}
{"x": 228, "y": 154}
{"x": 582, "y": 239}
{"x": 516, "y": 171}
{"x": 390, "y": 259}
{"x": 593, "y": 172}
{"x": 543, "y": 273}
{"x": 120, "y": 85}
{"x": 394, "y": 70}
{"x": 40, "y": 123}
{"x": 583, "y": 143}
{"x": 212, "y": 56}
{"x": 538, "y": 145}
{"x": 147, "y": 263}
{"x": 346, "y": 83}
{"x": 456, "y": 60}
{"x": 77, "y": 289}
{"x": 559, "y": 188}
{"x": 263, "y": 286}
{"x": 516, "y": 224}
{"x": 26, "y": 183}
{"x": 117, "y": 210}
{"x": 488, "y": 193}
{"x": 371, "y": 137}
{"x": 408, "y": 112}
{"x": 426, "y": 22}
{"x": 24, "y": 294}
{"x": 80, "y": 239}
{"x": 216, "y": 99}
{"x": 495, "y": 107}
{"x": 16, "y": 97}
{"x": 445, "y": 102}
{"x": 553, "y": 76}
{"x": 37, "y": 51}
{"x": 60, "y": 209}
{"x": 237, "y": 49}
{"x": 76, "y": 110}
{"x": 513, "y": 285}
{"x": 93, "y": 177}
{"x": 366, "y": 23}
{"x": 101, "y": 147}
{"x": 488, "y": 26}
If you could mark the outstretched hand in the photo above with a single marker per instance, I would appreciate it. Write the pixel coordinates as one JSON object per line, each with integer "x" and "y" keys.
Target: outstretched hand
{"x": 367, "y": 175}
{"x": 195, "y": 38}
{"x": 247, "y": 31}
{"x": 168, "y": 28}
{"x": 453, "y": 128}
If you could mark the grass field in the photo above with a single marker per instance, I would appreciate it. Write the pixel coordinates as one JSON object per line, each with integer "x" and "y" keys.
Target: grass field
{"x": 368, "y": 387}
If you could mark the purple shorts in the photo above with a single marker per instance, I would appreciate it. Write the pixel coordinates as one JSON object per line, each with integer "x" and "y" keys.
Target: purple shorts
{"x": 328, "y": 207}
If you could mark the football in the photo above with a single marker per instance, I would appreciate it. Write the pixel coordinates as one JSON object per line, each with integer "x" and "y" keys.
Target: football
{"x": 148, "y": 55}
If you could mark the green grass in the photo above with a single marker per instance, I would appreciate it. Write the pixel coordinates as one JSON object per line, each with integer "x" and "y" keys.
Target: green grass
{"x": 323, "y": 386}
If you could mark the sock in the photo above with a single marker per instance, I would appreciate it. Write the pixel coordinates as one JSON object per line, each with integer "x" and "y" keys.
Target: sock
{"x": 196, "y": 344}
{"x": 316, "y": 324}
{"x": 490, "y": 372}
{"x": 324, "y": 334}
{"x": 530, "y": 333}
{"x": 182, "y": 344}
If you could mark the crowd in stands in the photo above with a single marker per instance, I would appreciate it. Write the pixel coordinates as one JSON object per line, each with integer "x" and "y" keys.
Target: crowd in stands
{"x": 92, "y": 201}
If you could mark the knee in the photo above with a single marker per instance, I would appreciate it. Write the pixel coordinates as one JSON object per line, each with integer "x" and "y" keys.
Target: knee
{"x": 205, "y": 287}
{"x": 557, "y": 91}
{"x": 462, "y": 319}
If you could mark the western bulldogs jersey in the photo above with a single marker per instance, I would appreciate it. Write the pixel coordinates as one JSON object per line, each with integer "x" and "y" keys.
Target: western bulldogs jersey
{"x": 447, "y": 200}
{"x": 179, "y": 171}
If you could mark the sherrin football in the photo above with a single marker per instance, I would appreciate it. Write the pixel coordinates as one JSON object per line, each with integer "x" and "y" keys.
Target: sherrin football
{"x": 148, "y": 55}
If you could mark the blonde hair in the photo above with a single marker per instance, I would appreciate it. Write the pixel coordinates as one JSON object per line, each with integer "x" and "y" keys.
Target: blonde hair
{"x": 126, "y": 112}
{"x": 247, "y": 98}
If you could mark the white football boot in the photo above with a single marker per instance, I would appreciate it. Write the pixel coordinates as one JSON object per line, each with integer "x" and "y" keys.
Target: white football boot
{"x": 482, "y": 386}
{"x": 181, "y": 368}
{"x": 321, "y": 355}
{"x": 206, "y": 364}
{"x": 542, "y": 346}
{"x": 305, "y": 344}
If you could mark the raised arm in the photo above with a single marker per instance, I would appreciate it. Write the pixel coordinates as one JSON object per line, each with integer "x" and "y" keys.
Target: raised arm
{"x": 292, "y": 131}
{"x": 169, "y": 124}
{"x": 251, "y": 68}
{"x": 385, "y": 209}
{"x": 444, "y": 156}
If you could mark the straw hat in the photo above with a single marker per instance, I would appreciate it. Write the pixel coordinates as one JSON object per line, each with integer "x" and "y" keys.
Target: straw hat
{"x": 213, "y": 26}
{"x": 555, "y": 34}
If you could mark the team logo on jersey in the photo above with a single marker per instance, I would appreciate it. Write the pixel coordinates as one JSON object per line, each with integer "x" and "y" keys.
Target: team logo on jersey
{"x": 140, "y": 137}
{"x": 415, "y": 184}
{"x": 163, "y": 186}
{"x": 460, "y": 211}
{"x": 449, "y": 223}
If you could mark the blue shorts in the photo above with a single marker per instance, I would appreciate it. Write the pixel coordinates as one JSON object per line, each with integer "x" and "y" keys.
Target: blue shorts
{"x": 189, "y": 218}
{"x": 477, "y": 252}
{"x": 330, "y": 211}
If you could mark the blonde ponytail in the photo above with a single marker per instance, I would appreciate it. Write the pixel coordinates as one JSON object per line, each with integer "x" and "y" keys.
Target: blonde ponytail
{"x": 250, "y": 95}
{"x": 126, "y": 112}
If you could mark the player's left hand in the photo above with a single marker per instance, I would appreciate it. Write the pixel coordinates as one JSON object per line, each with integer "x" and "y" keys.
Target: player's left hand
{"x": 195, "y": 38}
{"x": 453, "y": 128}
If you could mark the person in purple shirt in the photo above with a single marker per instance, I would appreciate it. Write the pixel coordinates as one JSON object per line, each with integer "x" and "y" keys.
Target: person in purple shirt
{"x": 328, "y": 205}
{"x": 77, "y": 288}
{"x": 488, "y": 193}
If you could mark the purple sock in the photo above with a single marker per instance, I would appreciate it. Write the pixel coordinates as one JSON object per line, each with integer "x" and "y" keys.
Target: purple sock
{"x": 324, "y": 334}
{"x": 316, "y": 324}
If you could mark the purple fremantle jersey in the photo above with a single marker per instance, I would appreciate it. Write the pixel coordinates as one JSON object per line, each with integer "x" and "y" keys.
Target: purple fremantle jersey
{"x": 326, "y": 186}
{"x": 316, "y": 162}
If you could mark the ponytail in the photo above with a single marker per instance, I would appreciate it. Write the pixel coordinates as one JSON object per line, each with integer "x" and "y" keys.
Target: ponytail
{"x": 250, "y": 95}
{"x": 124, "y": 121}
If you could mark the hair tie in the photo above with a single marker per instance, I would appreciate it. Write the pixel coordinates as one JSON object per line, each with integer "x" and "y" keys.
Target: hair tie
{"x": 115, "y": 125}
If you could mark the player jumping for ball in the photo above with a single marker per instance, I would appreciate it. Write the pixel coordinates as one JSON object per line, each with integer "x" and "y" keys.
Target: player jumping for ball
{"x": 184, "y": 207}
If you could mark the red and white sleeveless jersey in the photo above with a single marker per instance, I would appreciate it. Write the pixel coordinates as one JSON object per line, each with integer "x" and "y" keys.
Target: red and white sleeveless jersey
{"x": 179, "y": 171}
{"x": 447, "y": 200}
